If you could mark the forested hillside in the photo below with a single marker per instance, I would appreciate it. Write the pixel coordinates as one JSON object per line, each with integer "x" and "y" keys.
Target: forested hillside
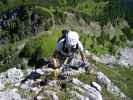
{"x": 105, "y": 25}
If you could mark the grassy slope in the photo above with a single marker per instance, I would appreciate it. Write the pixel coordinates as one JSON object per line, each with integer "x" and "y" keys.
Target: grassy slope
{"x": 46, "y": 42}
{"x": 120, "y": 76}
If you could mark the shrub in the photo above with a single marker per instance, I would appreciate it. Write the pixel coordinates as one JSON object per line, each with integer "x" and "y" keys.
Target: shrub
{"x": 42, "y": 46}
{"x": 27, "y": 51}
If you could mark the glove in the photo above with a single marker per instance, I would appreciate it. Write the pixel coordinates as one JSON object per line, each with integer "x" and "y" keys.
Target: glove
{"x": 83, "y": 64}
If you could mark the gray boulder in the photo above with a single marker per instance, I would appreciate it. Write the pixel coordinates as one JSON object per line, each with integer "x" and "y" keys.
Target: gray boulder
{"x": 125, "y": 57}
{"x": 96, "y": 86}
{"x": 103, "y": 79}
{"x": 111, "y": 88}
{"x": 14, "y": 75}
{"x": 76, "y": 96}
{"x": 10, "y": 95}
{"x": 2, "y": 86}
{"x": 108, "y": 59}
{"x": 52, "y": 95}
{"x": 39, "y": 97}
{"x": 89, "y": 91}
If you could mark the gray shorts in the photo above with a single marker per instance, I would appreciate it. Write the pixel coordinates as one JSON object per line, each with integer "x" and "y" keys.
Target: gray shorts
{"x": 73, "y": 60}
{"x": 62, "y": 59}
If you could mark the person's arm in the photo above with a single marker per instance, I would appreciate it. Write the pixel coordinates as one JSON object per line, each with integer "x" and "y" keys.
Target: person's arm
{"x": 54, "y": 58}
{"x": 56, "y": 52}
{"x": 82, "y": 56}
{"x": 81, "y": 49}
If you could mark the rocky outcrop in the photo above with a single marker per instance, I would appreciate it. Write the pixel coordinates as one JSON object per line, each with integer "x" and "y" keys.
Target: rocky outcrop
{"x": 92, "y": 56}
{"x": 90, "y": 92}
{"x": 96, "y": 86}
{"x": 78, "y": 96}
{"x": 113, "y": 89}
{"x": 124, "y": 58}
{"x": 32, "y": 83}
{"x": 14, "y": 75}
{"x": 2, "y": 86}
{"x": 52, "y": 95}
{"x": 10, "y": 95}
{"x": 103, "y": 80}
{"x": 41, "y": 84}
{"x": 108, "y": 59}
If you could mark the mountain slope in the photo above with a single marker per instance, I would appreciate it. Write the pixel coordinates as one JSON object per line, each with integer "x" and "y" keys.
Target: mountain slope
{"x": 29, "y": 30}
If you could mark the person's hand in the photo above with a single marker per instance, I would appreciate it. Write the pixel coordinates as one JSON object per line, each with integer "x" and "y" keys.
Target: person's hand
{"x": 82, "y": 64}
{"x": 54, "y": 63}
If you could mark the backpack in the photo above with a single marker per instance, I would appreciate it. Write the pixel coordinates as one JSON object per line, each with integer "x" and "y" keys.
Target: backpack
{"x": 64, "y": 33}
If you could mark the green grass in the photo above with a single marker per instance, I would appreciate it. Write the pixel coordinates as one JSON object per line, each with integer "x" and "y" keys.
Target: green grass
{"x": 43, "y": 11}
{"x": 46, "y": 44}
{"x": 107, "y": 96}
{"x": 122, "y": 77}
{"x": 87, "y": 6}
{"x": 87, "y": 78}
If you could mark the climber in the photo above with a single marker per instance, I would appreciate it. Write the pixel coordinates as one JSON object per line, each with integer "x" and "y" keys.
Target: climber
{"x": 67, "y": 46}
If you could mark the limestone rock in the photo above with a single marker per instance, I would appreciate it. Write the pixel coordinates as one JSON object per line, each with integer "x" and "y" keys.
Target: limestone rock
{"x": 89, "y": 91}
{"x": 39, "y": 98}
{"x": 103, "y": 79}
{"x": 108, "y": 59}
{"x": 92, "y": 56}
{"x": 14, "y": 75}
{"x": 76, "y": 96}
{"x": 113, "y": 89}
{"x": 126, "y": 58}
{"x": 10, "y": 95}
{"x": 2, "y": 86}
{"x": 97, "y": 86}
{"x": 52, "y": 95}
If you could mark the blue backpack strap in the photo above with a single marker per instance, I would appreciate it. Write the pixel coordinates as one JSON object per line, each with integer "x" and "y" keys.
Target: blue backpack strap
{"x": 64, "y": 32}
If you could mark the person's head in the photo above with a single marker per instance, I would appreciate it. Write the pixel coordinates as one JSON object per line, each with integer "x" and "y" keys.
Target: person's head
{"x": 72, "y": 38}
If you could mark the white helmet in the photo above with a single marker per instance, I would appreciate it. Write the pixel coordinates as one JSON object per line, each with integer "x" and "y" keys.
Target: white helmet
{"x": 72, "y": 38}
